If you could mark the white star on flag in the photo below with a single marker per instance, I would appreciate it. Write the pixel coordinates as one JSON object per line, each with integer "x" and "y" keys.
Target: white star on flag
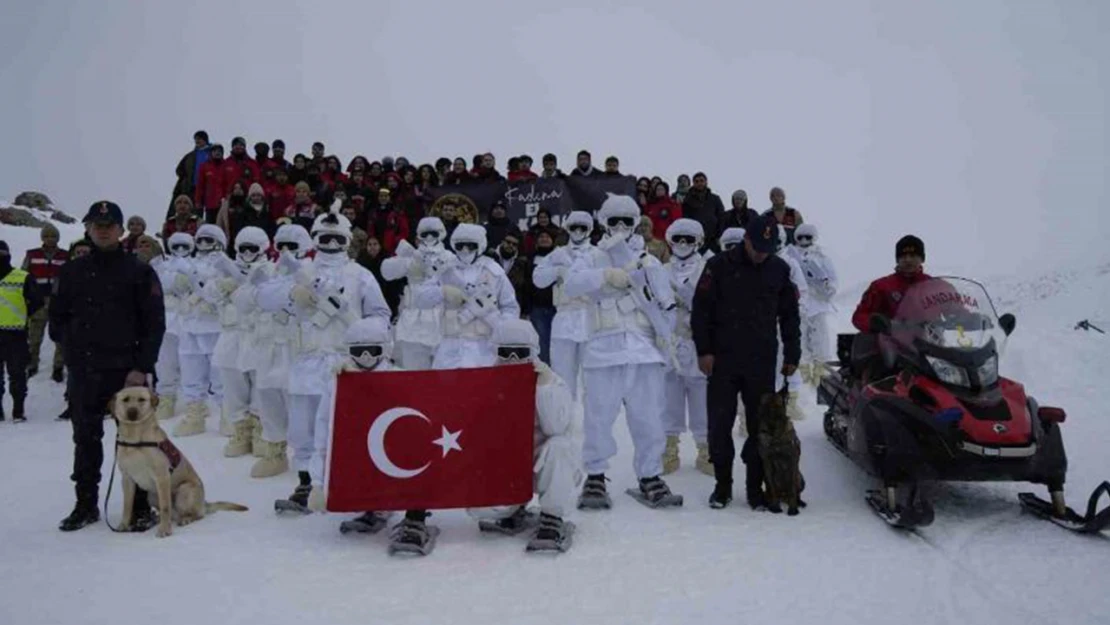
{"x": 448, "y": 441}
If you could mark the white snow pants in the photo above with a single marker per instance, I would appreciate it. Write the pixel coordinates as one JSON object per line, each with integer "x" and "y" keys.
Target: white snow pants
{"x": 815, "y": 337}
{"x": 198, "y": 376}
{"x": 240, "y": 393}
{"x": 566, "y": 361}
{"x": 168, "y": 367}
{"x": 273, "y": 408}
{"x": 686, "y": 403}
{"x": 414, "y": 356}
{"x": 302, "y": 427}
{"x": 640, "y": 389}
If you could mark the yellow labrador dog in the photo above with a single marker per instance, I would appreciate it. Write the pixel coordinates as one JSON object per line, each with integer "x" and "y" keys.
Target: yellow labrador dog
{"x": 147, "y": 458}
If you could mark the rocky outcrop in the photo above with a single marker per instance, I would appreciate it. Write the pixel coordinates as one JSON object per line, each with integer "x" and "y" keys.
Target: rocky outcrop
{"x": 40, "y": 201}
{"x": 14, "y": 216}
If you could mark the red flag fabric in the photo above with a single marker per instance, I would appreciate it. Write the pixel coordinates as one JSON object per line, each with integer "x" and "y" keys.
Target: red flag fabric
{"x": 432, "y": 439}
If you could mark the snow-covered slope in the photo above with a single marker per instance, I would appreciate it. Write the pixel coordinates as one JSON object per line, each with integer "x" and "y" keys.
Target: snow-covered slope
{"x": 982, "y": 561}
{"x": 20, "y": 238}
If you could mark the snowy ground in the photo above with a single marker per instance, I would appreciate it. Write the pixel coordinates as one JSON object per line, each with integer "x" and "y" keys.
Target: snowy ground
{"x": 982, "y": 561}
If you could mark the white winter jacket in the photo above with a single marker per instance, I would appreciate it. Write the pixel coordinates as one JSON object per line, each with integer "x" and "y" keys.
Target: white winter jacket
{"x": 571, "y": 321}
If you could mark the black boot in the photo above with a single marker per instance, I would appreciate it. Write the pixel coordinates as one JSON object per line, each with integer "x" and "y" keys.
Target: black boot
{"x": 722, "y": 496}
{"x": 57, "y": 375}
{"x": 143, "y": 517}
{"x": 18, "y": 415}
{"x": 303, "y": 490}
{"x": 84, "y": 513}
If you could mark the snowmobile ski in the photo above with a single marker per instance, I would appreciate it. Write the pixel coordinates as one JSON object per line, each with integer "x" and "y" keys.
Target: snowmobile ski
{"x": 511, "y": 526}
{"x": 288, "y": 506}
{"x": 561, "y": 544}
{"x": 1094, "y": 522}
{"x": 368, "y": 523}
{"x": 920, "y": 514}
{"x": 669, "y": 500}
{"x": 413, "y": 539}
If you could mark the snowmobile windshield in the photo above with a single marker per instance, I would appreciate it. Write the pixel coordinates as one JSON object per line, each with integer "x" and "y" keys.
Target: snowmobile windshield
{"x": 947, "y": 313}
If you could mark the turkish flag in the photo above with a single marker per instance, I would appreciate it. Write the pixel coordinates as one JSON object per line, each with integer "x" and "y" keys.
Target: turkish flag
{"x": 432, "y": 439}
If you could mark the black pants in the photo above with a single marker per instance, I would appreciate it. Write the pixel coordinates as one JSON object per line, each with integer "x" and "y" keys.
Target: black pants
{"x": 724, "y": 386}
{"x": 89, "y": 395}
{"x": 14, "y": 354}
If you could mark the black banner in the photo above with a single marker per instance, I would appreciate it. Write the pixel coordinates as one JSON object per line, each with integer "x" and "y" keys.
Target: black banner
{"x": 471, "y": 201}
{"x": 588, "y": 192}
{"x": 524, "y": 199}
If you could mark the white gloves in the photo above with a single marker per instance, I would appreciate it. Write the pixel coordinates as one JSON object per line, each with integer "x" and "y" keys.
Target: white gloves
{"x": 480, "y": 306}
{"x": 227, "y": 285}
{"x": 617, "y": 278}
{"x": 182, "y": 284}
{"x": 453, "y": 296}
{"x": 302, "y": 296}
{"x": 317, "y": 499}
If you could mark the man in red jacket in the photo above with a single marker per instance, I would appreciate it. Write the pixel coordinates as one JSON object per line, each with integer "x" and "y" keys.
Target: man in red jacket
{"x": 240, "y": 167}
{"x": 210, "y": 185}
{"x": 280, "y": 194}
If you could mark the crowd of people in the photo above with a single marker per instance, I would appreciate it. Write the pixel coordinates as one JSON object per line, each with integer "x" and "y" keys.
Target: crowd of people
{"x": 632, "y": 306}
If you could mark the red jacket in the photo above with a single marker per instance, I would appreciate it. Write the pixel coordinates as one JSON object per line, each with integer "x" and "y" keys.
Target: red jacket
{"x": 279, "y": 198}
{"x": 663, "y": 211}
{"x": 883, "y": 297}
{"x": 390, "y": 229}
{"x": 170, "y": 227}
{"x": 210, "y": 185}
{"x": 244, "y": 170}
{"x": 519, "y": 176}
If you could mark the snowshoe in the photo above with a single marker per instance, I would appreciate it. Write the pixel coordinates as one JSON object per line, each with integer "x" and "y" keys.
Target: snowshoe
{"x": 366, "y": 523}
{"x": 512, "y": 525}
{"x": 654, "y": 493}
{"x": 915, "y": 513}
{"x": 1093, "y": 522}
{"x": 411, "y": 537}
{"x": 553, "y": 536}
{"x": 594, "y": 495}
{"x": 298, "y": 501}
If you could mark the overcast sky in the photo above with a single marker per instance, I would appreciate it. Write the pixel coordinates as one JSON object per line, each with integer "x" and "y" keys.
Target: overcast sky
{"x": 979, "y": 125}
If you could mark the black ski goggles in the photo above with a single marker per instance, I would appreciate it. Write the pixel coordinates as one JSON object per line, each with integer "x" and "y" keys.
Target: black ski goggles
{"x": 804, "y": 238}
{"x": 206, "y": 241}
{"x": 682, "y": 238}
{"x": 288, "y": 246}
{"x": 514, "y": 353}
{"x": 365, "y": 351}
{"x": 466, "y": 246}
{"x": 613, "y": 222}
{"x": 248, "y": 248}
{"x": 329, "y": 239}
{"x": 181, "y": 247}
{"x": 430, "y": 235}
{"x": 578, "y": 228}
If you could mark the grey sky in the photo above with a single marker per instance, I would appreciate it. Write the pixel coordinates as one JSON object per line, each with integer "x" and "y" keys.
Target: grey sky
{"x": 980, "y": 126}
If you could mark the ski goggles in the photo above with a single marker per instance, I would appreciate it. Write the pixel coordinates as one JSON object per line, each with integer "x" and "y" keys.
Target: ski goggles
{"x": 181, "y": 247}
{"x": 332, "y": 239}
{"x": 804, "y": 238}
{"x": 206, "y": 242}
{"x": 248, "y": 248}
{"x": 362, "y": 352}
{"x": 466, "y": 246}
{"x": 613, "y": 222}
{"x": 287, "y": 246}
{"x": 514, "y": 352}
{"x": 430, "y": 235}
{"x": 578, "y": 228}
{"x": 682, "y": 238}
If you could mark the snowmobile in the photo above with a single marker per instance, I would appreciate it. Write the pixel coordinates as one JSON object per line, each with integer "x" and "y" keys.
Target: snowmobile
{"x": 919, "y": 398}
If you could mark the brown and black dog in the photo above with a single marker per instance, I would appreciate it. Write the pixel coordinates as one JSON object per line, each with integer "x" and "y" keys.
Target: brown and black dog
{"x": 781, "y": 453}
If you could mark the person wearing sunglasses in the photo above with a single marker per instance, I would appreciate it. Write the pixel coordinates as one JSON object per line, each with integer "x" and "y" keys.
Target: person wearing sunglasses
{"x": 419, "y": 330}
{"x": 820, "y": 274}
{"x": 200, "y": 331}
{"x": 785, "y": 251}
{"x": 626, "y": 355}
{"x": 328, "y": 294}
{"x": 270, "y": 344}
{"x": 167, "y": 370}
{"x": 231, "y": 355}
{"x": 476, "y": 296}
{"x": 570, "y": 329}
{"x": 685, "y": 390}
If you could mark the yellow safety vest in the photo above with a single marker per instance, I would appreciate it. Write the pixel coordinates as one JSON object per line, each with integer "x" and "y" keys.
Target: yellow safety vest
{"x": 13, "y": 308}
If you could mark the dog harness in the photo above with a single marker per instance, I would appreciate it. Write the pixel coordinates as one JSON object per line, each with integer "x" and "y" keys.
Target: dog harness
{"x": 173, "y": 454}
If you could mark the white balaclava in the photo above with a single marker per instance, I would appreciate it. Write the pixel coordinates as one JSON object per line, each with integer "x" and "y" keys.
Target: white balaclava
{"x": 369, "y": 342}
{"x": 251, "y": 244}
{"x": 732, "y": 237}
{"x": 685, "y": 236}
{"x": 331, "y": 233}
{"x": 181, "y": 245}
{"x": 805, "y": 235}
{"x": 426, "y": 228}
{"x": 210, "y": 238}
{"x": 579, "y": 225}
{"x": 293, "y": 238}
{"x": 619, "y": 215}
{"x": 468, "y": 242}
{"x": 516, "y": 341}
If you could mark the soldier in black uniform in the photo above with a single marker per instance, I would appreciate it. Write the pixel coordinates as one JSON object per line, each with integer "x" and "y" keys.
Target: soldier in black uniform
{"x": 743, "y": 299}
{"x": 107, "y": 312}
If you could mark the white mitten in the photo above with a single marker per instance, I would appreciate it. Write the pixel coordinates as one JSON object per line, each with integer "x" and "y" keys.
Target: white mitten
{"x": 182, "y": 284}
{"x": 617, "y": 278}
{"x": 227, "y": 285}
{"x": 317, "y": 499}
{"x": 302, "y": 296}
{"x": 453, "y": 296}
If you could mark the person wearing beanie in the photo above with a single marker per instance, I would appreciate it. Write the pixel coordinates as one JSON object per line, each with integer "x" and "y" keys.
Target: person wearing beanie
{"x": 43, "y": 264}
{"x": 786, "y": 216}
{"x": 136, "y": 227}
{"x": 20, "y": 300}
{"x": 739, "y": 215}
{"x": 188, "y": 168}
{"x": 253, "y": 212}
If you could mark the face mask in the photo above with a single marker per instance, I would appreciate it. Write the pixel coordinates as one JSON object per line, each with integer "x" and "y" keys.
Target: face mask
{"x": 258, "y": 205}
{"x": 206, "y": 246}
{"x": 621, "y": 231}
{"x": 181, "y": 251}
{"x": 367, "y": 357}
{"x": 331, "y": 243}
{"x": 249, "y": 253}
{"x": 683, "y": 250}
{"x": 578, "y": 235}
{"x": 467, "y": 256}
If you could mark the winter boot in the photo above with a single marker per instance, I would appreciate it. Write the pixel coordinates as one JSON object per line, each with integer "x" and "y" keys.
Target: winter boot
{"x": 655, "y": 493}
{"x": 195, "y": 414}
{"x": 702, "y": 463}
{"x": 272, "y": 462}
{"x": 240, "y": 443}
{"x": 594, "y": 495}
{"x": 298, "y": 501}
{"x": 18, "y": 415}
{"x": 57, "y": 375}
{"x": 84, "y": 513}
{"x": 554, "y": 535}
{"x": 670, "y": 455}
{"x": 166, "y": 406}
{"x": 792, "y": 410}
{"x": 722, "y": 495}
{"x": 144, "y": 519}
{"x": 412, "y": 535}
{"x": 256, "y": 435}
{"x": 227, "y": 428}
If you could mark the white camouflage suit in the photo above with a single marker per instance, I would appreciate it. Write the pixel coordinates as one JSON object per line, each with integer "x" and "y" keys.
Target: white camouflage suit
{"x": 787, "y": 253}
{"x": 687, "y": 386}
{"x": 179, "y": 249}
{"x": 624, "y": 363}
{"x": 820, "y": 275}
{"x": 570, "y": 329}
{"x": 419, "y": 330}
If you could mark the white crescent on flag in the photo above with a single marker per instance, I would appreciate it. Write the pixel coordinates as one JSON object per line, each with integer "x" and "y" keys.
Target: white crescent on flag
{"x": 375, "y": 443}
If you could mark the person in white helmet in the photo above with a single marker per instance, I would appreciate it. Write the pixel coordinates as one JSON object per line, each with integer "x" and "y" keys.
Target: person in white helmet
{"x": 179, "y": 251}
{"x": 328, "y": 295}
{"x": 475, "y": 295}
{"x": 685, "y": 386}
{"x": 631, "y": 319}
{"x": 820, "y": 274}
{"x": 201, "y": 330}
{"x": 239, "y": 374}
{"x": 785, "y": 251}
{"x": 369, "y": 344}
{"x": 271, "y": 344}
{"x": 570, "y": 329}
{"x": 418, "y": 330}
{"x": 731, "y": 238}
